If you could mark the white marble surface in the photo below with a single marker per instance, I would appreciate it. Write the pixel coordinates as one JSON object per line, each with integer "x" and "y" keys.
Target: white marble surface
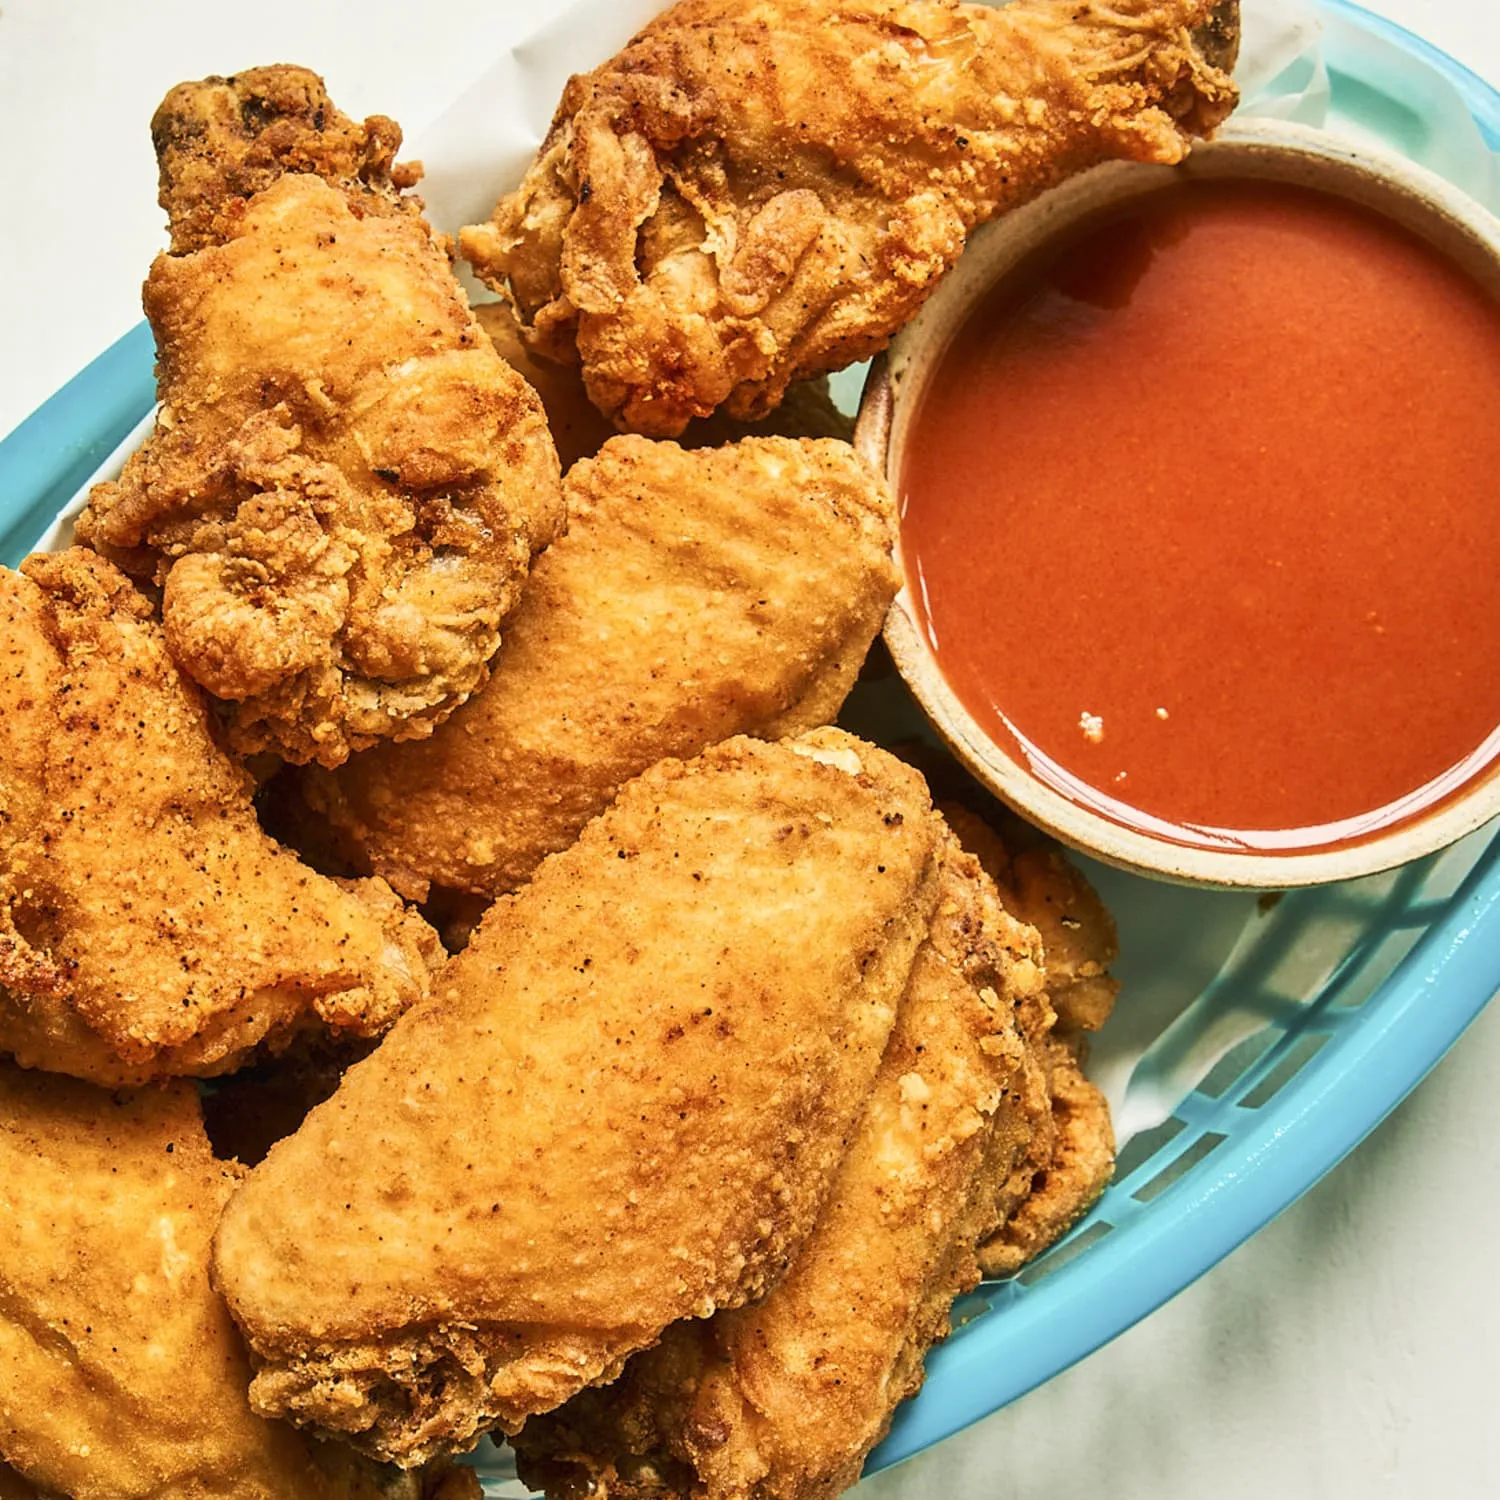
{"x": 1344, "y": 1352}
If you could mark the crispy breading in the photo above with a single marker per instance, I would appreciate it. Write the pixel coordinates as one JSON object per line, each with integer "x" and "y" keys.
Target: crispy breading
{"x": 121, "y": 1374}
{"x": 147, "y": 926}
{"x": 346, "y": 484}
{"x": 220, "y": 141}
{"x": 1070, "y": 1163}
{"x": 580, "y": 430}
{"x": 783, "y": 1399}
{"x": 1071, "y": 1155}
{"x": 755, "y": 191}
{"x": 624, "y": 1105}
{"x": 696, "y": 596}
{"x": 1077, "y": 931}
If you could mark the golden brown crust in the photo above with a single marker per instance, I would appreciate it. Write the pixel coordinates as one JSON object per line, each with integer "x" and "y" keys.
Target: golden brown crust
{"x": 1071, "y": 1152}
{"x": 1078, "y": 936}
{"x": 755, "y": 191}
{"x": 1062, "y": 1184}
{"x": 147, "y": 926}
{"x": 219, "y": 141}
{"x": 580, "y": 430}
{"x": 1040, "y": 884}
{"x": 696, "y": 596}
{"x": 346, "y": 484}
{"x": 783, "y": 1399}
{"x": 623, "y": 1107}
{"x": 121, "y": 1375}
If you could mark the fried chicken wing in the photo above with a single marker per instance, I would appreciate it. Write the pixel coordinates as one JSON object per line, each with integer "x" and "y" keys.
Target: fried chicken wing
{"x": 346, "y": 484}
{"x": 1069, "y": 1163}
{"x": 147, "y": 926}
{"x": 1071, "y": 1153}
{"x": 221, "y": 141}
{"x": 624, "y": 1107}
{"x": 121, "y": 1374}
{"x": 580, "y": 430}
{"x": 696, "y": 596}
{"x": 783, "y": 1399}
{"x": 755, "y": 191}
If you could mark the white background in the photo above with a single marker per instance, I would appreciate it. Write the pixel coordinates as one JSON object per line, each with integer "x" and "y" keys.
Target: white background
{"x": 1344, "y": 1352}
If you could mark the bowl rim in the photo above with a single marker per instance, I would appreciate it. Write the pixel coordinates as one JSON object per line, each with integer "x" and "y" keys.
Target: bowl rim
{"x": 1454, "y": 223}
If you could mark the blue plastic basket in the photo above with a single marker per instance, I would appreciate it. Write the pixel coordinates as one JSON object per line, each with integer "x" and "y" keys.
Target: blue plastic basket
{"x": 1326, "y": 1007}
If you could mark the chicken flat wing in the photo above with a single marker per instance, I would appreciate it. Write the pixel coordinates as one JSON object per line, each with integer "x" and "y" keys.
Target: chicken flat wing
{"x": 121, "y": 1374}
{"x": 147, "y": 926}
{"x": 755, "y": 191}
{"x": 624, "y": 1106}
{"x": 346, "y": 484}
{"x": 696, "y": 596}
{"x": 783, "y": 1399}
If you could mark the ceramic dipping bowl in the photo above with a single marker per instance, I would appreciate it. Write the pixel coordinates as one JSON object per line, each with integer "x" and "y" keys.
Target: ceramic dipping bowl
{"x": 1438, "y": 213}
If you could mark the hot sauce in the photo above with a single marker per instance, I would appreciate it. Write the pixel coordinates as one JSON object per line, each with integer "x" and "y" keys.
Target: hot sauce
{"x": 1201, "y": 514}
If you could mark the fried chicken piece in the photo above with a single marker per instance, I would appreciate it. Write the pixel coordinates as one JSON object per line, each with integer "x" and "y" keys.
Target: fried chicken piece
{"x": 783, "y": 1399}
{"x": 756, "y": 191}
{"x": 1068, "y": 1166}
{"x": 970, "y": 1122}
{"x": 1071, "y": 1155}
{"x": 580, "y": 430}
{"x": 1077, "y": 930}
{"x": 147, "y": 926}
{"x": 121, "y": 1374}
{"x": 696, "y": 596}
{"x": 624, "y": 1106}
{"x": 221, "y": 141}
{"x": 346, "y": 484}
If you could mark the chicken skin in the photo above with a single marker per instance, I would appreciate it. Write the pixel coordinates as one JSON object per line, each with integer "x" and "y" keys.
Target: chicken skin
{"x": 624, "y": 1107}
{"x": 757, "y": 191}
{"x": 147, "y": 926}
{"x": 1071, "y": 1153}
{"x": 696, "y": 596}
{"x": 346, "y": 484}
{"x": 121, "y": 1374}
{"x": 965, "y": 1162}
{"x": 783, "y": 1399}
{"x": 580, "y": 430}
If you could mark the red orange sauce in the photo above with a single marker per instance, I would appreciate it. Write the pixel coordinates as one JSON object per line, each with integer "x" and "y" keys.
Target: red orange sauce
{"x": 1201, "y": 513}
